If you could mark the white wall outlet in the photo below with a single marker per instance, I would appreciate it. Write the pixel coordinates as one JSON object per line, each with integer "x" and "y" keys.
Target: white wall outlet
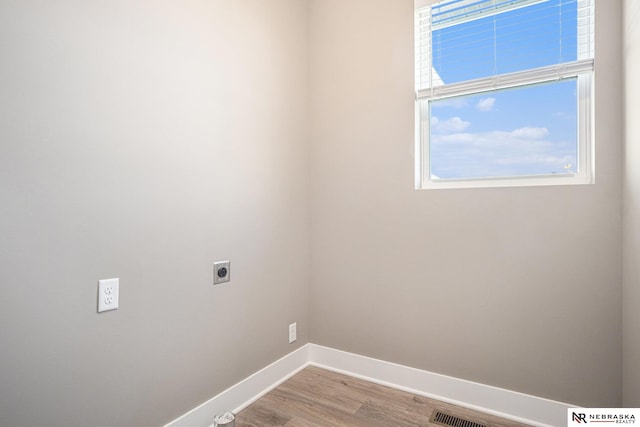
{"x": 293, "y": 334}
{"x": 108, "y": 294}
{"x": 221, "y": 272}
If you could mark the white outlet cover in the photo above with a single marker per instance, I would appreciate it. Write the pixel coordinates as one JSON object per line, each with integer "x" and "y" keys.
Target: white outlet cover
{"x": 108, "y": 294}
{"x": 293, "y": 332}
{"x": 221, "y": 272}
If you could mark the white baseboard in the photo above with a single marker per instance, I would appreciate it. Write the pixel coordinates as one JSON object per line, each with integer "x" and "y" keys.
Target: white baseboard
{"x": 508, "y": 404}
{"x": 242, "y": 394}
{"x": 512, "y": 405}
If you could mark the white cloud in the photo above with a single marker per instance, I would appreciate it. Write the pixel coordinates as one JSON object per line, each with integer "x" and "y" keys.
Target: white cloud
{"x": 526, "y": 150}
{"x": 529, "y": 137}
{"x": 485, "y": 104}
{"x": 452, "y": 125}
{"x": 530, "y": 133}
{"x": 536, "y": 159}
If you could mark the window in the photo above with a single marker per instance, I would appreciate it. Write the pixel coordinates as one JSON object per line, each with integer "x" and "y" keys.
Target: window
{"x": 504, "y": 93}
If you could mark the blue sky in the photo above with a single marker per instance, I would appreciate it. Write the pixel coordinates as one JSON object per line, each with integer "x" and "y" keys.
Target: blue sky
{"x": 524, "y": 131}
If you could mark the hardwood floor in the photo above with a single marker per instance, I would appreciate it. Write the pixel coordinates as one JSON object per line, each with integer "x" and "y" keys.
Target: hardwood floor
{"x": 317, "y": 397}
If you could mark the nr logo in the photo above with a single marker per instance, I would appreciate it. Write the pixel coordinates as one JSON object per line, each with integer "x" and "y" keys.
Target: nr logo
{"x": 579, "y": 418}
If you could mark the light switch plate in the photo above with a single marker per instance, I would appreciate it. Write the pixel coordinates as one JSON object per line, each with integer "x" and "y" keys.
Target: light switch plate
{"x": 108, "y": 294}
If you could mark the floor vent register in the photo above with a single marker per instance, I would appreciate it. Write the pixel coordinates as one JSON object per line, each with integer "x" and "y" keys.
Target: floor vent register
{"x": 444, "y": 419}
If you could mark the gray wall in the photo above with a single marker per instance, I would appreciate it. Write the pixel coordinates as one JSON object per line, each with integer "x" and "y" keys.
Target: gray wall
{"x": 514, "y": 287}
{"x": 145, "y": 140}
{"x": 631, "y": 352}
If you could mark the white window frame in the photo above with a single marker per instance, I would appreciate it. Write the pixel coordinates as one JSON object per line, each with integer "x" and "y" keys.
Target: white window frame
{"x": 582, "y": 69}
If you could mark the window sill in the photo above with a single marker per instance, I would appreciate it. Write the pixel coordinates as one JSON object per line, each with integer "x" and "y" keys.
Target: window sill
{"x": 528, "y": 181}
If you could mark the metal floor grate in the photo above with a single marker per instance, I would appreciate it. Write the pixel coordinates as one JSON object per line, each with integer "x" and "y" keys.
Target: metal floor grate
{"x": 444, "y": 419}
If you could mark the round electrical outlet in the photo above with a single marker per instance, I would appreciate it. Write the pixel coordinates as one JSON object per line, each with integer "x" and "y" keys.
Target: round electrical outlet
{"x": 222, "y": 271}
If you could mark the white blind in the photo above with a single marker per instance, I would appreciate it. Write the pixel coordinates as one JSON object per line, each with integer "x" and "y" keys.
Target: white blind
{"x": 493, "y": 43}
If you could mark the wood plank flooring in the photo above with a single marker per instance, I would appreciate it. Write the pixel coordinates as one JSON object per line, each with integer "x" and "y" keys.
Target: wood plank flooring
{"x": 317, "y": 397}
